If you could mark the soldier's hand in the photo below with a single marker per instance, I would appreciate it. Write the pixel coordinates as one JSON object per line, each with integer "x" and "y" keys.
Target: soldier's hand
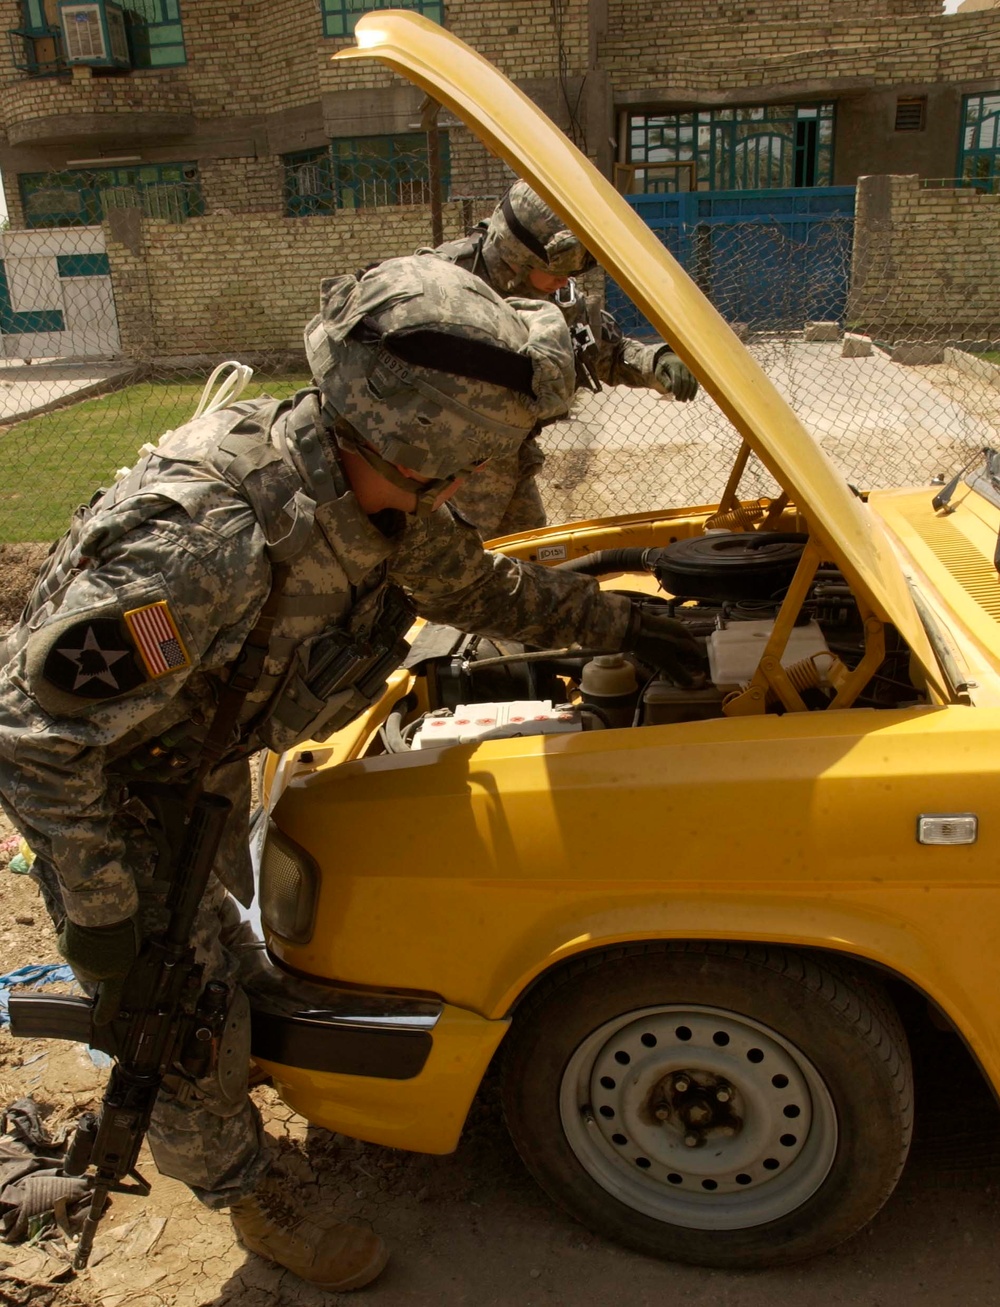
{"x": 101, "y": 955}
{"x": 664, "y": 643}
{"x": 673, "y": 376}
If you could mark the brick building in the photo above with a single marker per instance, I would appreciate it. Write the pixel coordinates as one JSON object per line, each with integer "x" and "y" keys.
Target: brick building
{"x": 232, "y": 165}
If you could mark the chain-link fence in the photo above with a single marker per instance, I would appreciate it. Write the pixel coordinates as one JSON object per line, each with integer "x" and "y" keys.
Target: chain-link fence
{"x": 883, "y": 335}
{"x": 108, "y": 334}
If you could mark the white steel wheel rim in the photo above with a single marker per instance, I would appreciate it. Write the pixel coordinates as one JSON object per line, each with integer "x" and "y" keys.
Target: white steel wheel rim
{"x": 630, "y": 1089}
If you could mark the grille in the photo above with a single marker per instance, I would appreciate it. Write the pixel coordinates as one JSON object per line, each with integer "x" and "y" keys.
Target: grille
{"x": 974, "y": 573}
{"x": 910, "y": 114}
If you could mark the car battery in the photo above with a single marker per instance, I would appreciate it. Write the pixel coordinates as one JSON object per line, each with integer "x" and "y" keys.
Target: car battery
{"x": 471, "y": 722}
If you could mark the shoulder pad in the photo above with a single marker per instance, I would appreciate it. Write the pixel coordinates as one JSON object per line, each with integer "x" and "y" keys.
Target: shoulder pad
{"x": 106, "y": 652}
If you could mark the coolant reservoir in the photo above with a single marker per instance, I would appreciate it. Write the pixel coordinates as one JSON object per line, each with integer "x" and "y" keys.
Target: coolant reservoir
{"x": 610, "y": 685}
{"x": 735, "y": 651}
{"x": 608, "y": 676}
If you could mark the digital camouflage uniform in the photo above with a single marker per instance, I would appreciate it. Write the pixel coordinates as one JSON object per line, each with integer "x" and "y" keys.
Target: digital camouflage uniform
{"x": 504, "y": 498}
{"x": 111, "y": 677}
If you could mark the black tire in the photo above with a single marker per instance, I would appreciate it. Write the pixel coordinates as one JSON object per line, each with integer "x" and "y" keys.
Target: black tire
{"x": 833, "y": 1031}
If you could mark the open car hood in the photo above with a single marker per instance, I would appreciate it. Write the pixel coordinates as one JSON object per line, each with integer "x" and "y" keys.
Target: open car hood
{"x": 514, "y": 128}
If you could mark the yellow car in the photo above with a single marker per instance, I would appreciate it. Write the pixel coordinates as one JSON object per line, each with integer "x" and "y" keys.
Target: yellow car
{"x": 683, "y": 916}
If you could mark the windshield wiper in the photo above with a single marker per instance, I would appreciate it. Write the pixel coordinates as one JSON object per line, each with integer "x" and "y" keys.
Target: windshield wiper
{"x": 942, "y": 500}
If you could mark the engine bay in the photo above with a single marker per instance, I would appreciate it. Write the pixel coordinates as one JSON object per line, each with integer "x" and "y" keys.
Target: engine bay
{"x": 780, "y": 631}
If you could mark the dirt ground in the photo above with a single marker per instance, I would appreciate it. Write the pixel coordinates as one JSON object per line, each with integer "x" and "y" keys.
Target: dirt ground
{"x": 472, "y": 1229}
{"x": 18, "y": 566}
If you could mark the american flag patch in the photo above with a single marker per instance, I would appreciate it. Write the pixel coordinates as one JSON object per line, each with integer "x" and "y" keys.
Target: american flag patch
{"x": 157, "y": 638}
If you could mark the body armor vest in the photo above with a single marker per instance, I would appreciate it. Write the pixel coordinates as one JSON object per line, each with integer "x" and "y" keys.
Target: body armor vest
{"x": 338, "y": 626}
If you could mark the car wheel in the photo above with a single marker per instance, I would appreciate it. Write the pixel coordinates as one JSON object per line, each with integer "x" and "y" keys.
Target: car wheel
{"x": 725, "y": 1105}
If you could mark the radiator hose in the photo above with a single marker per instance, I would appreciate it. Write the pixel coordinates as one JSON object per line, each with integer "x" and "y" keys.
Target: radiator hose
{"x": 611, "y": 560}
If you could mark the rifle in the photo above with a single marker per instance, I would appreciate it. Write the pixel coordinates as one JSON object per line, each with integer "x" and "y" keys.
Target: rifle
{"x": 164, "y": 1025}
{"x": 582, "y": 338}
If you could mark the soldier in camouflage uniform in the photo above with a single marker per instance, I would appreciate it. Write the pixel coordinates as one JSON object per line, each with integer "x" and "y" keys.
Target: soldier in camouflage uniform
{"x": 322, "y": 511}
{"x": 525, "y": 250}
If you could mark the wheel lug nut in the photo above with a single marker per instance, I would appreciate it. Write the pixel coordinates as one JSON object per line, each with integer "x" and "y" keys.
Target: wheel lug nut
{"x": 662, "y": 1113}
{"x": 723, "y": 1095}
{"x": 682, "y": 1085}
{"x": 690, "y": 1141}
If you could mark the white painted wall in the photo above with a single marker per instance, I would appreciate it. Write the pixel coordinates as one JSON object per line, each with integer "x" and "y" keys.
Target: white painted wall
{"x": 34, "y": 281}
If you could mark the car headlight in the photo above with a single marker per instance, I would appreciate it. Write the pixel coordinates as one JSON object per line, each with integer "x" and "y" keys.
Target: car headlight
{"x": 289, "y": 883}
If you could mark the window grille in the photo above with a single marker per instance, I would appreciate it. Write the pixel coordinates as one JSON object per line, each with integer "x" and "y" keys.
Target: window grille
{"x": 83, "y": 197}
{"x": 979, "y": 149}
{"x": 362, "y": 172}
{"x": 340, "y": 16}
{"x": 155, "y": 33}
{"x": 755, "y": 147}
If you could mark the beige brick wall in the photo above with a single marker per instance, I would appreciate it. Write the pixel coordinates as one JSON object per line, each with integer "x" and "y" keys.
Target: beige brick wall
{"x": 474, "y": 171}
{"x": 925, "y": 264}
{"x": 675, "y": 50}
{"x": 242, "y": 185}
{"x": 246, "y": 282}
{"x": 248, "y": 58}
{"x": 143, "y": 91}
{"x": 651, "y": 15}
{"x": 524, "y": 38}
{"x": 242, "y": 56}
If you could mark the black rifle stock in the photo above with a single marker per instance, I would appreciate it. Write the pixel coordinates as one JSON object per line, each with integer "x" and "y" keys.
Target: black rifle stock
{"x": 160, "y": 1024}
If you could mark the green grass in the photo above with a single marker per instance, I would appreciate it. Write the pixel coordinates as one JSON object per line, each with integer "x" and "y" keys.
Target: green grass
{"x": 54, "y": 462}
{"x": 989, "y": 355}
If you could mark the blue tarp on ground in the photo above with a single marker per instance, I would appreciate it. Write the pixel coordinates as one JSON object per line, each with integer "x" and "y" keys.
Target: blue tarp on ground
{"x": 37, "y": 973}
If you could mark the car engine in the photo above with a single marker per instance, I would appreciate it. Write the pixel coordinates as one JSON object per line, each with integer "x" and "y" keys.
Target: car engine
{"x": 726, "y": 587}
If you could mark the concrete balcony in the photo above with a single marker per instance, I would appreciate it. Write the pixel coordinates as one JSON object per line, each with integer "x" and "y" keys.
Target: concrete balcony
{"x": 126, "y": 110}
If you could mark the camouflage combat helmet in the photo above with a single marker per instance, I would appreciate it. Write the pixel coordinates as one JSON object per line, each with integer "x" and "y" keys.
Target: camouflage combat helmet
{"x": 422, "y": 366}
{"x": 524, "y": 233}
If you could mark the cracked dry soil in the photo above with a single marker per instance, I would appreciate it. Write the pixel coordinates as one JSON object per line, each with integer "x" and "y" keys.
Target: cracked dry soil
{"x": 472, "y": 1229}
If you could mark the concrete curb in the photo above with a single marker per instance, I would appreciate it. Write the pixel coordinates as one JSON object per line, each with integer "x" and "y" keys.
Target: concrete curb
{"x": 974, "y": 367}
{"x": 126, "y": 376}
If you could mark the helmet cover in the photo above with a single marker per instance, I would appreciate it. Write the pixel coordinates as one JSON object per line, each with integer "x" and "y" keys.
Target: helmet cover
{"x": 523, "y": 234}
{"x": 432, "y": 369}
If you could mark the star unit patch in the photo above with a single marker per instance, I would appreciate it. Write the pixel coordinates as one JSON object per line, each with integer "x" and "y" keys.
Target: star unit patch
{"x": 157, "y": 638}
{"x": 93, "y": 659}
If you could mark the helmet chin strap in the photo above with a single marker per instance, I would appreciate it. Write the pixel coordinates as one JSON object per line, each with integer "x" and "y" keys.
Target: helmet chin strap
{"x": 425, "y": 494}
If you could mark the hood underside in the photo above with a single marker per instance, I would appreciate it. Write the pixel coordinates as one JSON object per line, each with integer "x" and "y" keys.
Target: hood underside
{"x": 516, "y": 130}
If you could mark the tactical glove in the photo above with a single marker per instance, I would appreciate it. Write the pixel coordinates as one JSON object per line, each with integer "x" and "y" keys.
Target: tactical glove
{"x": 671, "y": 373}
{"x": 664, "y": 643}
{"x": 101, "y": 955}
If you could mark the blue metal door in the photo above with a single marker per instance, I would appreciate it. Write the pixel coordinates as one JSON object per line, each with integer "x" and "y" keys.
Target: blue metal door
{"x": 771, "y": 259}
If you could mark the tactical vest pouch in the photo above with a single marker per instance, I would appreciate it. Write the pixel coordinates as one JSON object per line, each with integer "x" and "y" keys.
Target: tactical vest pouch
{"x": 339, "y": 673}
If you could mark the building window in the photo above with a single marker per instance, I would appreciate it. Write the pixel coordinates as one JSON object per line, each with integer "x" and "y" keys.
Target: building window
{"x": 362, "y": 172}
{"x": 761, "y": 147}
{"x": 979, "y": 156}
{"x": 152, "y": 28}
{"x": 154, "y": 33}
{"x": 339, "y": 16}
{"x": 82, "y": 197}
{"x": 911, "y": 113}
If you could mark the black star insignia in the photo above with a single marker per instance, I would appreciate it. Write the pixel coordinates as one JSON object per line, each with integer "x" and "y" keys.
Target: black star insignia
{"x": 93, "y": 662}
{"x": 93, "y": 658}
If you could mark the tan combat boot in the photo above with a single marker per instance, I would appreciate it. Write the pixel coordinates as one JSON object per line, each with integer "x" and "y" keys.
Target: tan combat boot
{"x": 333, "y": 1256}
